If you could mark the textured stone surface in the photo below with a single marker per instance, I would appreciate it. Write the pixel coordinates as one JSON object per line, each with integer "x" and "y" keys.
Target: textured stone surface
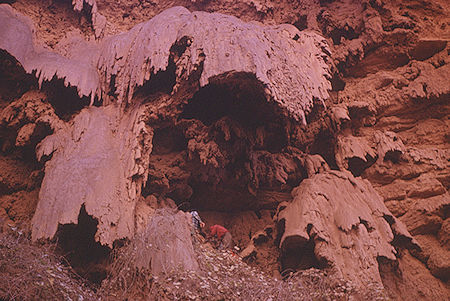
{"x": 291, "y": 64}
{"x": 17, "y": 38}
{"x": 389, "y": 67}
{"x": 354, "y": 154}
{"x": 165, "y": 244}
{"x": 98, "y": 20}
{"x": 99, "y": 160}
{"x": 348, "y": 224}
{"x": 27, "y": 112}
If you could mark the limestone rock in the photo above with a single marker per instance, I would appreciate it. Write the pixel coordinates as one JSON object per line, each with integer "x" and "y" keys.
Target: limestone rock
{"x": 389, "y": 146}
{"x": 393, "y": 89}
{"x": 283, "y": 64}
{"x": 98, "y": 20}
{"x": 101, "y": 161}
{"x": 425, "y": 215}
{"x": 273, "y": 170}
{"x": 166, "y": 243}
{"x": 143, "y": 212}
{"x": 444, "y": 234}
{"x": 13, "y": 179}
{"x": 289, "y": 63}
{"x": 339, "y": 115}
{"x": 439, "y": 264}
{"x": 248, "y": 252}
{"x": 435, "y": 255}
{"x": 354, "y": 154}
{"x": 315, "y": 164}
{"x": 17, "y": 38}
{"x": 345, "y": 222}
{"x": 28, "y": 111}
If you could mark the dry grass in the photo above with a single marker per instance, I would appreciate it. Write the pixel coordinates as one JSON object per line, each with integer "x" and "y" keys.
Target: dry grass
{"x": 222, "y": 275}
{"x": 31, "y": 272}
{"x": 164, "y": 247}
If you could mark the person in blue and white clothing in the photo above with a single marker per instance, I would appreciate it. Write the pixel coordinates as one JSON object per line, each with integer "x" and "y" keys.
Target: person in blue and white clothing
{"x": 197, "y": 223}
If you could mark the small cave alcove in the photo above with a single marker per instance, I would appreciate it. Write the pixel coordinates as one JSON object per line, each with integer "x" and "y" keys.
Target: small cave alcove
{"x": 240, "y": 97}
{"x": 323, "y": 145}
{"x": 77, "y": 244}
{"x": 65, "y": 100}
{"x": 357, "y": 166}
{"x": 160, "y": 83}
{"x": 296, "y": 253}
{"x": 14, "y": 81}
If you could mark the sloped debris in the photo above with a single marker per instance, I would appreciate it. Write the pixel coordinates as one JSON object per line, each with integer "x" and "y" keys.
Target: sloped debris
{"x": 31, "y": 272}
{"x": 224, "y": 276}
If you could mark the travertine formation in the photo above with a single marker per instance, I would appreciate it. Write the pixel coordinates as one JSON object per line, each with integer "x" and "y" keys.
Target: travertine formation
{"x": 98, "y": 20}
{"x": 291, "y": 64}
{"x": 161, "y": 249}
{"x": 107, "y": 175}
{"x": 206, "y": 107}
{"x": 17, "y": 38}
{"x": 347, "y": 222}
{"x": 100, "y": 161}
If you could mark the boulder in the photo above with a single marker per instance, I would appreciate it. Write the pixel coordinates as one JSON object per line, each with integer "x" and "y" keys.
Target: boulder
{"x": 342, "y": 223}
{"x": 166, "y": 245}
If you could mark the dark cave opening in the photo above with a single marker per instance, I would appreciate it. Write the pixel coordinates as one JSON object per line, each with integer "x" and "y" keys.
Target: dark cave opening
{"x": 14, "y": 81}
{"x": 239, "y": 95}
{"x": 28, "y": 152}
{"x": 224, "y": 198}
{"x": 298, "y": 254}
{"x": 65, "y": 100}
{"x": 77, "y": 244}
{"x": 393, "y": 155}
{"x": 231, "y": 115}
{"x": 302, "y": 22}
{"x": 357, "y": 165}
{"x": 323, "y": 145}
{"x": 164, "y": 81}
{"x": 168, "y": 140}
{"x": 160, "y": 83}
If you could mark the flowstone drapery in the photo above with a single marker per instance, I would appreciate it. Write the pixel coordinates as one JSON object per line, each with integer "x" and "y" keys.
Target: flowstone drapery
{"x": 100, "y": 158}
{"x": 101, "y": 161}
{"x": 291, "y": 64}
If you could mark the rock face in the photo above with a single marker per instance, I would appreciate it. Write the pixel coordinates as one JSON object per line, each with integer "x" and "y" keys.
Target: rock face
{"x": 291, "y": 64}
{"x": 338, "y": 117}
{"x": 165, "y": 245}
{"x": 100, "y": 160}
{"x": 98, "y": 20}
{"x": 108, "y": 175}
{"x": 346, "y": 222}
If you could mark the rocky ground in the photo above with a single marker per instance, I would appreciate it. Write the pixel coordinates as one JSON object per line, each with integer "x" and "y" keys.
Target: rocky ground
{"x": 30, "y": 272}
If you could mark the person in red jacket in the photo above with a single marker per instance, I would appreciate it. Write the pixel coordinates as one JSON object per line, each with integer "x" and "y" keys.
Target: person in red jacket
{"x": 222, "y": 234}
